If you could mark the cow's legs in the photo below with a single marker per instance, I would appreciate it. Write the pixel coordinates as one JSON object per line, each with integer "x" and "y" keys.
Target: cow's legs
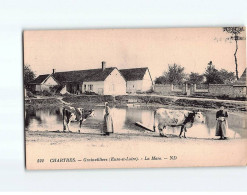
{"x": 64, "y": 126}
{"x": 154, "y": 125}
{"x": 154, "y": 128}
{"x": 65, "y": 123}
{"x": 80, "y": 123}
{"x": 68, "y": 126}
{"x": 185, "y": 131}
{"x": 181, "y": 131}
{"x": 161, "y": 130}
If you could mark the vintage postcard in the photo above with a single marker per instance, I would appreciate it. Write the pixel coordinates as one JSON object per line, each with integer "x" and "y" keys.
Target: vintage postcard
{"x": 135, "y": 98}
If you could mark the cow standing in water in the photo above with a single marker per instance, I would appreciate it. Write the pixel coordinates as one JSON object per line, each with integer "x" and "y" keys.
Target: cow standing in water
{"x": 71, "y": 114}
{"x": 173, "y": 118}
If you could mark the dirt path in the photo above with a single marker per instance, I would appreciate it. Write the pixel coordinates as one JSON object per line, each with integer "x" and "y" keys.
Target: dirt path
{"x": 129, "y": 151}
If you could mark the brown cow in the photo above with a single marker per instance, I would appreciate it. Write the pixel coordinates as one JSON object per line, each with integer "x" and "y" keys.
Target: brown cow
{"x": 75, "y": 114}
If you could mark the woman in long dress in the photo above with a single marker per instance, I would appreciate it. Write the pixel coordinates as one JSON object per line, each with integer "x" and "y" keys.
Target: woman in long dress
{"x": 221, "y": 126}
{"x": 108, "y": 121}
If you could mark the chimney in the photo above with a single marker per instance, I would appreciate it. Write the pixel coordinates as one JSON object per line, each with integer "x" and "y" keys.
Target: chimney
{"x": 103, "y": 66}
{"x": 53, "y": 71}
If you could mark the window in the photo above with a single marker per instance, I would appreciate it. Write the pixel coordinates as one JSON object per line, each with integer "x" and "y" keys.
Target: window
{"x": 90, "y": 87}
{"x": 85, "y": 87}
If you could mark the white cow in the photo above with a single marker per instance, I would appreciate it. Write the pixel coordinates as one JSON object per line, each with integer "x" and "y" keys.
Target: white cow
{"x": 173, "y": 118}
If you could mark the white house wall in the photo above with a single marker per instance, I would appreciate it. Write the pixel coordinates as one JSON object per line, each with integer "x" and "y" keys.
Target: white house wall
{"x": 147, "y": 82}
{"x": 140, "y": 85}
{"x": 45, "y": 86}
{"x": 37, "y": 87}
{"x": 50, "y": 81}
{"x": 115, "y": 84}
{"x": 98, "y": 86}
{"x": 134, "y": 86}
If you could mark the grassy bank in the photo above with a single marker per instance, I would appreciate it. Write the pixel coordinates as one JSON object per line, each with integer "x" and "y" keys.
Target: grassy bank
{"x": 124, "y": 100}
{"x": 42, "y": 103}
{"x": 143, "y": 100}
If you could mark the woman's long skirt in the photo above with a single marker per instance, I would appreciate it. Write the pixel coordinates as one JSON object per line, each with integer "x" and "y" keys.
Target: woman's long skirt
{"x": 221, "y": 128}
{"x": 108, "y": 124}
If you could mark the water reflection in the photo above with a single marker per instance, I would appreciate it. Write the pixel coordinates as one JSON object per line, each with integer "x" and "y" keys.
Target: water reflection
{"x": 50, "y": 119}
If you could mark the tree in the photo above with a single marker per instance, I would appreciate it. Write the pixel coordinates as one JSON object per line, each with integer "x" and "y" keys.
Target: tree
{"x": 195, "y": 78}
{"x": 161, "y": 80}
{"x": 235, "y": 32}
{"x": 214, "y": 76}
{"x": 227, "y": 77}
{"x": 29, "y": 75}
{"x": 174, "y": 75}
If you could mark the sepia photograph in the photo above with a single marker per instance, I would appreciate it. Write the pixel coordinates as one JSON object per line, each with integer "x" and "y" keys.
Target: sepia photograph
{"x": 123, "y": 96}
{"x": 135, "y": 98}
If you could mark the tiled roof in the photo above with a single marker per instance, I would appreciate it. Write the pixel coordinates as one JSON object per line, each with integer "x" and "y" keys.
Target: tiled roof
{"x": 83, "y": 75}
{"x": 77, "y": 76}
{"x": 133, "y": 73}
{"x": 39, "y": 79}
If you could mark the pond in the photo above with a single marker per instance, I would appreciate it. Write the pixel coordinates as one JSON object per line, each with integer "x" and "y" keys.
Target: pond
{"x": 51, "y": 119}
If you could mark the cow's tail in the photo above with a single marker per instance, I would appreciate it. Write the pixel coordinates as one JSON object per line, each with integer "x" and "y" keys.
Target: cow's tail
{"x": 154, "y": 126}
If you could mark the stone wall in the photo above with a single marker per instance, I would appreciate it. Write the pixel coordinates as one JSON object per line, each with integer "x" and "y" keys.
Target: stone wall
{"x": 169, "y": 89}
{"x": 217, "y": 90}
{"x": 227, "y": 90}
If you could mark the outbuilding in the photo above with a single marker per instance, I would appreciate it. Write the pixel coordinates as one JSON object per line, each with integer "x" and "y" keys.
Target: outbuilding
{"x": 138, "y": 80}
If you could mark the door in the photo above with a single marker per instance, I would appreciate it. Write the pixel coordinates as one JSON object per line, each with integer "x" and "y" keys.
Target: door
{"x": 100, "y": 91}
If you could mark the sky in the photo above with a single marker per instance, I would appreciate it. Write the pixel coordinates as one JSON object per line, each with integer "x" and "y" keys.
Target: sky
{"x": 192, "y": 48}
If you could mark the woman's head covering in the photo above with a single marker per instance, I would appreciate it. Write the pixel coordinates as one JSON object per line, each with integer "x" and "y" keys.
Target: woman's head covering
{"x": 107, "y": 109}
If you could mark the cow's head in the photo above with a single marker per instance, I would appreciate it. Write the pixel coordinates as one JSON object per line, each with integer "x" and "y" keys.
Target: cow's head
{"x": 199, "y": 117}
{"x": 72, "y": 117}
{"x": 89, "y": 113}
{"x": 84, "y": 114}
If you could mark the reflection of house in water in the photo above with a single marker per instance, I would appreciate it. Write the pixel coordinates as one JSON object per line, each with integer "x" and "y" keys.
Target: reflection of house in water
{"x": 118, "y": 116}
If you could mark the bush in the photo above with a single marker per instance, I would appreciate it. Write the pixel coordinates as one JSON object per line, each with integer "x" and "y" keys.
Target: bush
{"x": 67, "y": 94}
{"x": 90, "y": 93}
{"x": 46, "y": 93}
{"x": 56, "y": 89}
{"x": 30, "y": 94}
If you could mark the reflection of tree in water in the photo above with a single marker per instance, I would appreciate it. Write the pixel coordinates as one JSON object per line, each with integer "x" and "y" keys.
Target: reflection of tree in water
{"x": 30, "y": 113}
{"x": 53, "y": 111}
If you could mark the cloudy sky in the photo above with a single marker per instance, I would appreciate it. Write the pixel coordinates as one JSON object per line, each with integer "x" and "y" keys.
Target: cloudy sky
{"x": 192, "y": 48}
